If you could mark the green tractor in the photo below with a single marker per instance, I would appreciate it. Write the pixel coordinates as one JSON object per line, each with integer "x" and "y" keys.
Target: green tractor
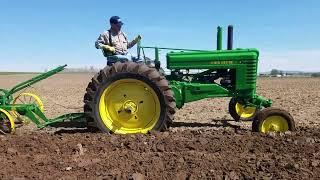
{"x": 130, "y": 97}
{"x": 137, "y": 97}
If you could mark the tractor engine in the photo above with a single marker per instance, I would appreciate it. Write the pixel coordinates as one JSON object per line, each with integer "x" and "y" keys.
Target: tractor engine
{"x": 236, "y": 69}
{"x": 222, "y": 73}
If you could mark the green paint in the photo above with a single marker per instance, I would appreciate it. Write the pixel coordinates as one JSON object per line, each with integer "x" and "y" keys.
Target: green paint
{"x": 219, "y": 38}
{"x": 194, "y": 75}
{"x": 237, "y": 68}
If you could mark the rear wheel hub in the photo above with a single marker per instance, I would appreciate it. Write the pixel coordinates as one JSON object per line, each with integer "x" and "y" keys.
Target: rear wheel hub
{"x": 129, "y": 106}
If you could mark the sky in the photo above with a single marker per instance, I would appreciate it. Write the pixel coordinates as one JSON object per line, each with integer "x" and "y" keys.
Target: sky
{"x": 36, "y": 34}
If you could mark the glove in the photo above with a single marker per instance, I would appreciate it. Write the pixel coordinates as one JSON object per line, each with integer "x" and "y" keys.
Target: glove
{"x": 138, "y": 38}
{"x": 108, "y": 48}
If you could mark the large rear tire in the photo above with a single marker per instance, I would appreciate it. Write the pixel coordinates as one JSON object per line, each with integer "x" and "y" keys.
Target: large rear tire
{"x": 129, "y": 98}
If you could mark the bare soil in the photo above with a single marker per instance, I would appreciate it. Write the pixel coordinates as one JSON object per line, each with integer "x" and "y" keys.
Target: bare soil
{"x": 204, "y": 142}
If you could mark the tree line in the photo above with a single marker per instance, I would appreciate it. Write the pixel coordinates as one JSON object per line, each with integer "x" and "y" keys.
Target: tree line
{"x": 275, "y": 72}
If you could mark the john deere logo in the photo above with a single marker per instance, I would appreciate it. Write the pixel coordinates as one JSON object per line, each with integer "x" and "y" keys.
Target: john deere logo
{"x": 221, "y": 62}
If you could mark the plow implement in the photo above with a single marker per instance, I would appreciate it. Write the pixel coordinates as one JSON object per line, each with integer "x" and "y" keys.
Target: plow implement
{"x": 28, "y": 106}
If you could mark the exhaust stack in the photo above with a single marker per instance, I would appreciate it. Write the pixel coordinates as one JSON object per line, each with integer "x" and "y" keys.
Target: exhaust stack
{"x": 219, "y": 38}
{"x": 230, "y": 37}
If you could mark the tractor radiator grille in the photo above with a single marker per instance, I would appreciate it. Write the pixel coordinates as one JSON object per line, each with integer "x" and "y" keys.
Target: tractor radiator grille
{"x": 251, "y": 75}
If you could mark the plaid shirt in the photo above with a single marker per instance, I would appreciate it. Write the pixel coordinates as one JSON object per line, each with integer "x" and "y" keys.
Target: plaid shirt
{"x": 119, "y": 42}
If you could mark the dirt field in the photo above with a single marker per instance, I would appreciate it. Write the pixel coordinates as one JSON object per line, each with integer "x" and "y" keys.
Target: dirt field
{"x": 203, "y": 144}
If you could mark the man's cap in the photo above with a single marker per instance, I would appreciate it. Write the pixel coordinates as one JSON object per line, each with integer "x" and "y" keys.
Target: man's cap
{"x": 115, "y": 20}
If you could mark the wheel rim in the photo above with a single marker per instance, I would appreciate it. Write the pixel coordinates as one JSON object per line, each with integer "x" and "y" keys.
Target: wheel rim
{"x": 275, "y": 124}
{"x": 6, "y": 122}
{"x": 27, "y": 98}
{"x": 129, "y": 106}
{"x": 245, "y": 112}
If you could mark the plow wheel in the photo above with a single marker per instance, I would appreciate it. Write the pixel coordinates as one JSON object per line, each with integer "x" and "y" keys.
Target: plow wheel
{"x": 26, "y": 98}
{"x": 240, "y": 112}
{"x": 129, "y": 98}
{"x": 6, "y": 122}
{"x": 273, "y": 120}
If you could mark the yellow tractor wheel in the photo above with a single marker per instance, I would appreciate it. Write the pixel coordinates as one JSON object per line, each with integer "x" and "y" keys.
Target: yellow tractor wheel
{"x": 240, "y": 112}
{"x": 129, "y": 98}
{"x": 26, "y": 98}
{"x": 6, "y": 122}
{"x": 273, "y": 120}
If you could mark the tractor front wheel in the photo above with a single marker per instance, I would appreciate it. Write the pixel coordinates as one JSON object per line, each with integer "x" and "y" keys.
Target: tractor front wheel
{"x": 129, "y": 98}
{"x": 273, "y": 120}
{"x": 239, "y": 112}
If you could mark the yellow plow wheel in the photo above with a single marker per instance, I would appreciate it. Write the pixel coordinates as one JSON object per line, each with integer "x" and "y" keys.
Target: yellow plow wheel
{"x": 129, "y": 106}
{"x": 6, "y": 122}
{"x": 27, "y": 98}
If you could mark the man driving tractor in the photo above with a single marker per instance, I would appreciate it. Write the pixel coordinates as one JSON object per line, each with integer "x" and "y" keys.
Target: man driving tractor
{"x": 114, "y": 42}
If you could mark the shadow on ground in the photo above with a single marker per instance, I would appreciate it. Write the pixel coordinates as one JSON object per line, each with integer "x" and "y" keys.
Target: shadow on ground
{"x": 76, "y": 127}
{"x": 215, "y": 123}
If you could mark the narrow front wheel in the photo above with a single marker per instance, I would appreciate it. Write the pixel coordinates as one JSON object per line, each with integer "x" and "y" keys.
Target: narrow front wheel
{"x": 239, "y": 111}
{"x": 273, "y": 120}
